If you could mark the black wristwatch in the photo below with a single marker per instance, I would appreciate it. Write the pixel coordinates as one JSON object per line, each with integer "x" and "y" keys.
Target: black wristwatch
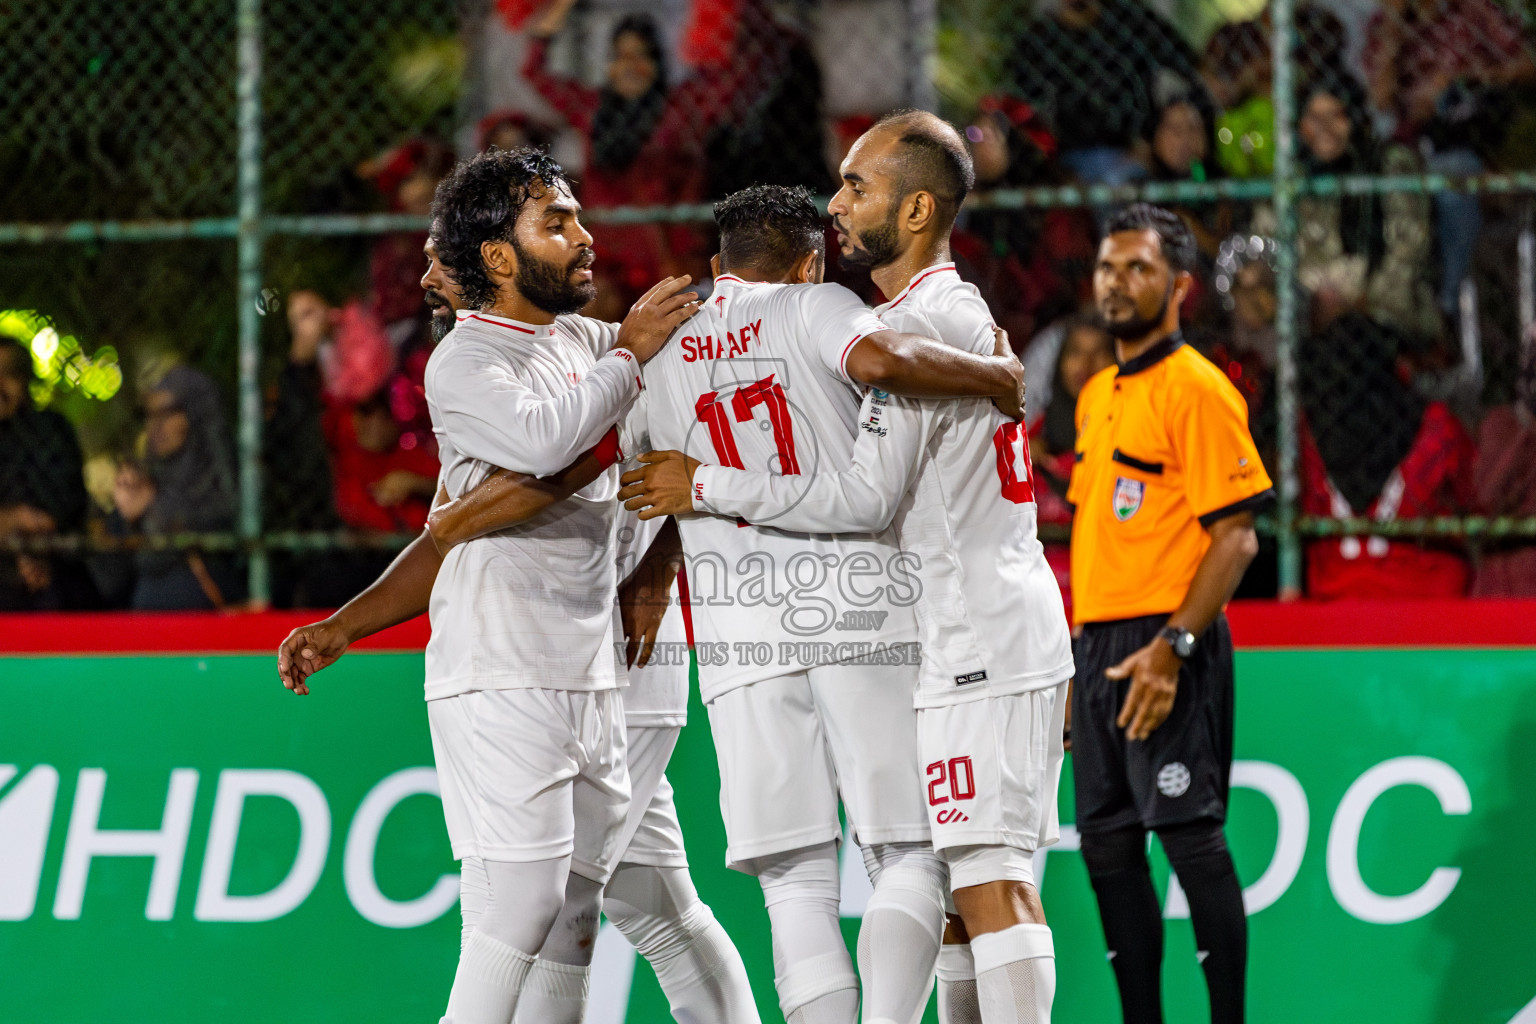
{"x": 1181, "y": 640}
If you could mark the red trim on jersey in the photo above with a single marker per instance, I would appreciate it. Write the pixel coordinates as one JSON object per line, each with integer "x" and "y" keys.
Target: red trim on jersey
{"x": 733, "y": 277}
{"x": 847, "y": 349}
{"x": 498, "y": 323}
{"x": 919, "y": 279}
{"x": 682, "y": 599}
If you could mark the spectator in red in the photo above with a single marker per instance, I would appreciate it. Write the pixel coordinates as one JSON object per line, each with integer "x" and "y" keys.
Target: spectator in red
{"x": 1438, "y": 66}
{"x": 1029, "y": 265}
{"x": 1372, "y": 448}
{"x": 380, "y": 485}
{"x": 1505, "y": 476}
{"x": 645, "y": 147}
{"x": 406, "y": 176}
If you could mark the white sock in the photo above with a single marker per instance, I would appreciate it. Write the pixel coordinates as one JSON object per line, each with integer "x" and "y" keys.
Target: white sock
{"x": 901, "y": 932}
{"x": 553, "y": 994}
{"x": 660, "y": 913}
{"x": 1015, "y": 974}
{"x": 957, "y": 986}
{"x": 489, "y": 980}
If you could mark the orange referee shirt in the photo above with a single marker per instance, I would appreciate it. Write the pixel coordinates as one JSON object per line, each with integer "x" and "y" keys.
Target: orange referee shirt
{"x": 1163, "y": 451}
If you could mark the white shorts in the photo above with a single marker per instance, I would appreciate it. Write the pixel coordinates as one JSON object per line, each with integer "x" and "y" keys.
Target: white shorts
{"x": 651, "y": 833}
{"x": 533, "y": 774}
{"x": 992, "y": 767}
{"x": 789, "y": 747}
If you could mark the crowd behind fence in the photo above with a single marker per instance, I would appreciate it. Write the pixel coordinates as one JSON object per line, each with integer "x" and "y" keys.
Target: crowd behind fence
{"x": 212, "y": 336}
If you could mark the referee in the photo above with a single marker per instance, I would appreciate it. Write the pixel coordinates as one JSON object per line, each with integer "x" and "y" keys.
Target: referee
{"x": 1165, "y": 486}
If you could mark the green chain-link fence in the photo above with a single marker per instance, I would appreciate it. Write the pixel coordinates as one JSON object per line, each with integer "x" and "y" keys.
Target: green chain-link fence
{"x": 238, "y": 187}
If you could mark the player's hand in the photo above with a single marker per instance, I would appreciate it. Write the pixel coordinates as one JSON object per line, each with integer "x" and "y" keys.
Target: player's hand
{"x": 655, "y": 315}
{"x": 307, "y": 650}
{"x": 1010, "y": 404}
{"x": 643, "y": 603}
{"x": 663, "y": 486}
{"x": 1154, "y": 675}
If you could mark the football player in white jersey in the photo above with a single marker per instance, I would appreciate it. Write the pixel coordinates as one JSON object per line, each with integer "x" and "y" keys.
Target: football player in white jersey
{"x": 650, "y": 899}
{"x": 955, "y": 478}
{"x": 805, "y": 642}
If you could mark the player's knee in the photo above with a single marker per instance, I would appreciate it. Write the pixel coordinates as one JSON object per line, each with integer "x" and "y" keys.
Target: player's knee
{"x": 1202, "y": 842}
{"x": 656, "y": 909}
{"x": 908, "y": 874}
{"x": 474, "y": 892}
{"x": 573, "y": 935}
{"x": 526, "y": 898}
{"x": 1111, "y": 851}
{"x": 803, "y": 981}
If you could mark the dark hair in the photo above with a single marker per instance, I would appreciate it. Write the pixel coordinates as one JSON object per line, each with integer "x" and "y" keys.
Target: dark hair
{"x": 643, "y": 26}
{"x": 23, "y": 356}
{"x": 935, "y": 158}
{"x": 1173, "y": 235}
{"x": 768, "y": 228}
{"x": 479, "y": 202}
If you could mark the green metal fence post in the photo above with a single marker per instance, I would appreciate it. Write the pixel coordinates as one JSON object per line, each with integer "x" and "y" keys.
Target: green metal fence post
{"x": 1287, "y": 186}
{"x": 250, "y": 238}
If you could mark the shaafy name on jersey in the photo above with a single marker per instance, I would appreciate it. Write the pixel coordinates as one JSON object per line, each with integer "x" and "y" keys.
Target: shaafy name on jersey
{"x": 707, "y": 346}
{"x": 871, "y": 422}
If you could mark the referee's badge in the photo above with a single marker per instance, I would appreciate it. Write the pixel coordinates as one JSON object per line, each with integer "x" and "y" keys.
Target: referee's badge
{"x": 1128, "y": 495}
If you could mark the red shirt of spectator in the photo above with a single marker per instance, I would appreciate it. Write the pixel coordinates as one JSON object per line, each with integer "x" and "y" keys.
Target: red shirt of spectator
{"x": 664, "y": 167}
{"x": 1435, "y": 478}
{"x": 1506, "y": 485}
{"x": 1413, "y": 54}
{"x": 380, "y": 485}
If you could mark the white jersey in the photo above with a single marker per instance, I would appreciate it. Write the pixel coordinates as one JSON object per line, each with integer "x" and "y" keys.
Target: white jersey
{"x": 757, "y": 380}
{"x": 657, "y": 694}
{"x": 955, "y": 475}
{"x": 531, "y": 605}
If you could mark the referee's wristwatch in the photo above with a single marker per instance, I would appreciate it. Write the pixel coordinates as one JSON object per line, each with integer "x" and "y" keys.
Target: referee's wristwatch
{"x": 1181, "y": 640}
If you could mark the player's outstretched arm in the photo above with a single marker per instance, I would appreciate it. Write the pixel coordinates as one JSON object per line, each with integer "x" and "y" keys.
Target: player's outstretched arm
{"x": 401, "y": 593}
{"x": 920, "y": 367}
{"x": 506, "y": 498}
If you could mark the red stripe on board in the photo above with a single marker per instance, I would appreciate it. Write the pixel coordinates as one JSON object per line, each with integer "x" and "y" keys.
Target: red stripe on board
{"x": 1453, "y": 623}
{"x": 185, "y": 632}
{"x": 1466, "y": 623}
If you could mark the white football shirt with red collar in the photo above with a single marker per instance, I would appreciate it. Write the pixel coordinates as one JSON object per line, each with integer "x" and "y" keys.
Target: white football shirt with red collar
{"x": 531, "y": 605}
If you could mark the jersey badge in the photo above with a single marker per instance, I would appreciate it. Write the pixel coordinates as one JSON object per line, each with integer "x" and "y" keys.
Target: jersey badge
{"x": 1128, "y": 495}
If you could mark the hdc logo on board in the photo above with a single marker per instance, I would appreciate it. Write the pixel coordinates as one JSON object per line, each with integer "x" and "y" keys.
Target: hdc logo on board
{"x": 26, "y": 818}
{"x": 27, "y": 812}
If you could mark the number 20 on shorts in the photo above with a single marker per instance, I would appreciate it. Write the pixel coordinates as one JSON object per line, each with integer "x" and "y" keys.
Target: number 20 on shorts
{"x": 957, "y": 774}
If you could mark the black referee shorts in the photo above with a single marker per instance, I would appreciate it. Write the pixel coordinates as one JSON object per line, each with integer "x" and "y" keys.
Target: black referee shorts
{"x": 1177, "y": 775}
